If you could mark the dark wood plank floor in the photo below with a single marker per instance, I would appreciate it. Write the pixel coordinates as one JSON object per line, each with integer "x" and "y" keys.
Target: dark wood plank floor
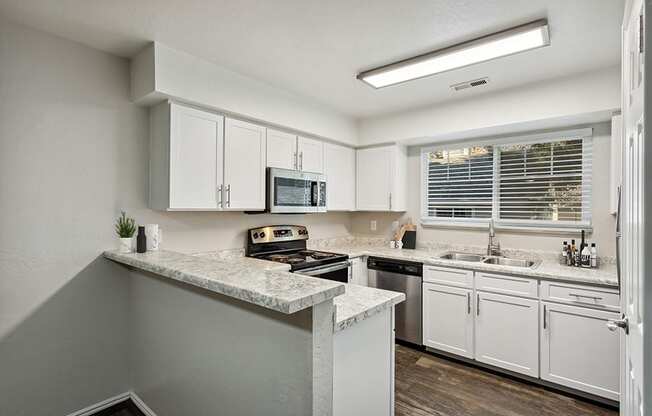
{"x": 427, "y": 385}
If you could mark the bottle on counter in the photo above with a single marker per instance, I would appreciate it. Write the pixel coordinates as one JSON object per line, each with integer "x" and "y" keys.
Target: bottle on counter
{"x": 141, "y": 240}
{"x": 586, "y": 257}
{"x": 594, "y": 256}
{"x": 564, "y": 253}
{"x": 572, "y": 253}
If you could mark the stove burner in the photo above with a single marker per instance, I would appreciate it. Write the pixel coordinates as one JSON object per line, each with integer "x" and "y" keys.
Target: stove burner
{"x": 320, "y": 255}
{"x": 284, "y": 258}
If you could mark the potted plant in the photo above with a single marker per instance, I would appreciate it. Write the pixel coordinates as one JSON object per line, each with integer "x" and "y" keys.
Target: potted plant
{"x": 125, "y": 227}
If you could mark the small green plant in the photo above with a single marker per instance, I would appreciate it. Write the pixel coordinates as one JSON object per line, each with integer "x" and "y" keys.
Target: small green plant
{"x": 125, "y": 227}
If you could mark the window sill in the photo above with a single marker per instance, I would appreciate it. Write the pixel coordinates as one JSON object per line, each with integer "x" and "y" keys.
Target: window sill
{"x": 521, "y": 228}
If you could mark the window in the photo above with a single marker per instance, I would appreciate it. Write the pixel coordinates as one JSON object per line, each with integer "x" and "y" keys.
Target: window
{"x": 542, "y": 180}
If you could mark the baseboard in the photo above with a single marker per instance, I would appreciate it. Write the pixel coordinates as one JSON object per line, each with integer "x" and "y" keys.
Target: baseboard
{"x": 104, "y": 404}
{"x": 140, "y": 404}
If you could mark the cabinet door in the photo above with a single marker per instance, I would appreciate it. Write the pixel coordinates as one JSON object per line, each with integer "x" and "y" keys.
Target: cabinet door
{"x": 281, "y": 150}
{"x": 360, "y": 273}
{"x": 507, "y": 332}
{"x": 311, "y": 155}
{"x": 578, "y": 350}
{"x": 373, "y": 176}
{"x": 448, "y": 319}
{"x": 196, "y": 146}
{"x": 244, "y": 166}
{"x": 339, "y": 167}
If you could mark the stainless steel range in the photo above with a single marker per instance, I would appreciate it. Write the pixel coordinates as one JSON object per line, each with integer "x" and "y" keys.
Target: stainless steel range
{"x": 287, "y": 244}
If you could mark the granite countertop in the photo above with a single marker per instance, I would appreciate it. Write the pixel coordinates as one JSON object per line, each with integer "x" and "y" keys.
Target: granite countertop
{"x": 359, "y": 303}
{"x": 548, "y": 269}
{"x": 259, "y": 282}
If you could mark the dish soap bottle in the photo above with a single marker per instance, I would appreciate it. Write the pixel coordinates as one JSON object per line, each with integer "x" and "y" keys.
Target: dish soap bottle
{"x": 141, "y": 240}
{"x": 594, "y": 256}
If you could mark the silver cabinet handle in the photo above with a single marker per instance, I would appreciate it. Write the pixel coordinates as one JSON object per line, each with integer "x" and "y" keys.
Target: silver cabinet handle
{"x": 545, "y": 317}
{"x": 220, "y": 196}
{"x": 477, "y": 306}
{"x": 390, "y": 201}
{"x": 468, "y": 303}
{"x": 577, "y": 295}
{"x": 301, "y": 161}
{"x": 296, "y": 161}
{"x": 614, "y": 324}
{"x": 228, "y": 195}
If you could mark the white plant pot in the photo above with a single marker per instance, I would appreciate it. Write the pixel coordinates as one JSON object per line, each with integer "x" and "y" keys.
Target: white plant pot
{"x": 126, "y": 245}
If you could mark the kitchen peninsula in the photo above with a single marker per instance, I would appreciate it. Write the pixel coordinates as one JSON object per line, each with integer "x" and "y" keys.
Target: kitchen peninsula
{"x": 308, "y": 340}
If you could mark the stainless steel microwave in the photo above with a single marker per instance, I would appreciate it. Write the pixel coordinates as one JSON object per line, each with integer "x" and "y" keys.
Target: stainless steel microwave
{"x": 291, "y": 191}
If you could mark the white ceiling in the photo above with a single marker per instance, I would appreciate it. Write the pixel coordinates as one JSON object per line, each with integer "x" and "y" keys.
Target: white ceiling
{"x": 314, "y": 48}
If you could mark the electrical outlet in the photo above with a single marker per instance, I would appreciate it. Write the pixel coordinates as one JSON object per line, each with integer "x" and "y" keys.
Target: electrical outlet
{"x": 373, "y": 225}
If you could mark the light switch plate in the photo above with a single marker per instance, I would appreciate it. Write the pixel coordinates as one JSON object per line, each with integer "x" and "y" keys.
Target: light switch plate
{"x": 373, "y": 225}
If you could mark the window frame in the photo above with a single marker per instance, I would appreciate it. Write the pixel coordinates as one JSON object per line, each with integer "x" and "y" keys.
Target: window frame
{"x": 586, "y": 134}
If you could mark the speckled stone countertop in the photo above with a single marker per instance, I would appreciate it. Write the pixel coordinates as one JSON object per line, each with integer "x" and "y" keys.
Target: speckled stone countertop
{"x": 259, "y": 282}
{"x": 359, "y": 303}
{"x": 548, "y": 269}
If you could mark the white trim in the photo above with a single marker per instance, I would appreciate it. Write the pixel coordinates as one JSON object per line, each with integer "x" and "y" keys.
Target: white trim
{"x": 94, "y": 408}
{"x": 112, "y": 401}
{"x": 140, "y": 404}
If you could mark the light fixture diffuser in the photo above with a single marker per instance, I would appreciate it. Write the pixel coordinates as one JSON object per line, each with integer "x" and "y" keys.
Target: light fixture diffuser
{"x": 508, "y": 42}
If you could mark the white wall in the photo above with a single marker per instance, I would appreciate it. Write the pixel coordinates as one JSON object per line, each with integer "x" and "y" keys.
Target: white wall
{"x": 73, "y": 153}
{"x": 603, "y": 222}
{"x": 185, "y": 77}
{"x": 546, "y": 104}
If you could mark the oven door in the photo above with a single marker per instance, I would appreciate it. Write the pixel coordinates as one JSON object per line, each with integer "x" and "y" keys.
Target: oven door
{"x": 338, "y": 272}
{"x": 290, "y": 191}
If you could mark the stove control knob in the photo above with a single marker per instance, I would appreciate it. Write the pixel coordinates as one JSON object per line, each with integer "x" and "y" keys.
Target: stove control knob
{"x": 255, "y": 236}
{"x": 262, "y": 234}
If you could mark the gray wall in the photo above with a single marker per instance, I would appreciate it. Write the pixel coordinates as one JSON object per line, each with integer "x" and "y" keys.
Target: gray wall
{"x": 603, "y": 222}
{"x": 73, "y": 152}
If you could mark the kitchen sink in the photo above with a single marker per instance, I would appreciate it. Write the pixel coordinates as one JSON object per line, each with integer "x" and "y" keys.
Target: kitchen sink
{"x": 504, "y": 261}
{"x": 463, "y": 257}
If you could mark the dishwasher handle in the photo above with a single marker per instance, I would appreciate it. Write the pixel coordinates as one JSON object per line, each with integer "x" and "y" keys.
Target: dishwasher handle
{"x": 409, "y": 268}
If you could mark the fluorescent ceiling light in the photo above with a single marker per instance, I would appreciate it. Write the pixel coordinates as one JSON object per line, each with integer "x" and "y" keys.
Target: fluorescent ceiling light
{"x": 518, "y": 39}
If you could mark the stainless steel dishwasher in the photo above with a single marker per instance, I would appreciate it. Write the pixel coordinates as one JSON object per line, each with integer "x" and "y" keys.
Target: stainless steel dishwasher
{"x": 401, "y": 276}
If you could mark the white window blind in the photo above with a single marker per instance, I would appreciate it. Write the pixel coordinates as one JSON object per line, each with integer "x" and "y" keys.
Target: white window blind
{"x": 460, "y": 182}
{"x": 546, "y": 181}
{"x": 538, "y": 180}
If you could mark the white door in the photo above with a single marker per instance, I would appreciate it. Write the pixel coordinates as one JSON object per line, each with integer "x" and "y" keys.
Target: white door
{"x": 636, "y": 397}
{"x": 244, "y": 166}
{"x": 196, "y": 146}
{"x": 339, "y": 167}
{"x": 592, "y": 364}
{"x": 311, "y": 155}
{"x": 281, "y": 150}
{"x": 373, "y": 176}
{"x": 507, "y": 332}
{"x": 448, "y": 319}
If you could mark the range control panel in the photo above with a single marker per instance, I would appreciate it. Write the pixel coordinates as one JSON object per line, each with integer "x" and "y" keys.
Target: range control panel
{"x": 276, "y": 233}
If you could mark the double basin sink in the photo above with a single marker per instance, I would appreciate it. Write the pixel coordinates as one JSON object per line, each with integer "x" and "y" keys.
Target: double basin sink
{"x": 497, "y": 260}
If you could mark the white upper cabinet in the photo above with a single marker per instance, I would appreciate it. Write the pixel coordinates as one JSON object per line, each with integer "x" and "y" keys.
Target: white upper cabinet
{"x": 201, "y": 162}
{"x": 381, "y": 179}
{"x": 244, "y": 166}
{"x": 339, "y": 167}
{"x": 281, "y": 150}
{"x": 310, "y": 155}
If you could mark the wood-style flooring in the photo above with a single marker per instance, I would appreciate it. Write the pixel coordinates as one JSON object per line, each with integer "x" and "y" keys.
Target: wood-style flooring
{"x": 427, "y": 385}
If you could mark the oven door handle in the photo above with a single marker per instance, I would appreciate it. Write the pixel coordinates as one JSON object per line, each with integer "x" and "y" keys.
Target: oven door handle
{"x": 314, "y": 271}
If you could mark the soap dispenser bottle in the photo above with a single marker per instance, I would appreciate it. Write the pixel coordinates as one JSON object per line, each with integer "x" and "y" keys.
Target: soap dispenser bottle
{"x": 141, "y": 240}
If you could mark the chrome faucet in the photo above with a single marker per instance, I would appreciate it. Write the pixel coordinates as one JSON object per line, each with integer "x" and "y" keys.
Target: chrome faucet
{"x": 493, "y": 248}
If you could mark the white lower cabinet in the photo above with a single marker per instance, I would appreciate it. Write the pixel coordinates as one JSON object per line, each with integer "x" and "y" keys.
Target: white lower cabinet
{"x": 578, "y": 351}
{"x": 507, "y": 332}
{"x": 448, "y": 319}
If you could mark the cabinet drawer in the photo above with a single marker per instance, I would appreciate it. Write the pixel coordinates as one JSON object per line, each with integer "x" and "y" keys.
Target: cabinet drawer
{"x": 509, "y": 285}
{"x": 574, "y": 294}
{"x": 450, "y": 277}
